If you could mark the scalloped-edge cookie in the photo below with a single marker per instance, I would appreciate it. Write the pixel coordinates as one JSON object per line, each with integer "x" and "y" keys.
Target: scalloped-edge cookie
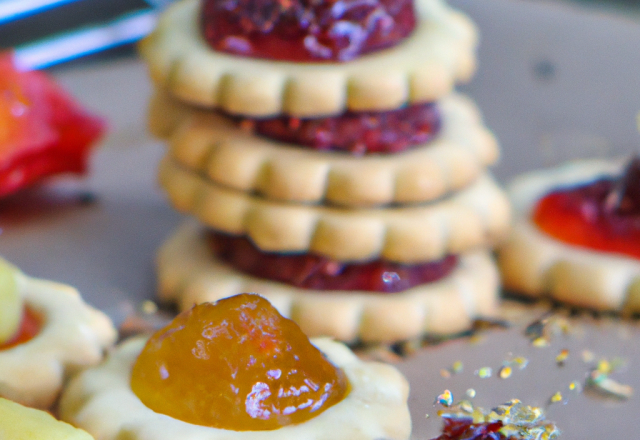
{"x": 73, "y": 336}
{"x": 476, "y": 216}
{"x": 188, "y": 273}
{"x": 214, "y": 145}
{"x": 534, "y": 264}
{"x": 100, "y": 401}
{"x": 423, "y": 68}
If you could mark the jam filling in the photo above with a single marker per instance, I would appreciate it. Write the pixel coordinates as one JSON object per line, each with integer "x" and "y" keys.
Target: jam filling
{"x": 305, "y": 30}
{"x": 236, "y": 365}
{"x": 29, "y": 328}
{"x": 466, "y": 429}
{"x": 311, "y": 271}
{"x": 603, "y": 215}
{"x": 359, "y": 133}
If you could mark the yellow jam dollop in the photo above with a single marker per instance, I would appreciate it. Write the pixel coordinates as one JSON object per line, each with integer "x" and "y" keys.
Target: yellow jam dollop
{"x": 237, "y": 365}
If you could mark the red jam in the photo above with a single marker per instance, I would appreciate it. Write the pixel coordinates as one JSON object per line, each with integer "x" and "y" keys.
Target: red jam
{"x": 465, "y": 429}
{"x": 42, "y": 130}
{"x": 603, "y": 215}
{"x": 383, "y": 132}
{"x": 236, "y": 365}
{"x": 305, "y": 30}
{"x": 29, "y": 328}
{"x": 310, "y": 271}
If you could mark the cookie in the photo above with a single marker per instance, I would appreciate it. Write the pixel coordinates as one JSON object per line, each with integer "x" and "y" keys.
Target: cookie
{"x": 100, "y": 401}
{"x": 423, "y": 68}
{"x": 534, "y": 264}
{"x": 73, "y": 336}
{"x": 188, "y": 273}
{"x": 214, "y": 145}
{"x": 476, "y": 216}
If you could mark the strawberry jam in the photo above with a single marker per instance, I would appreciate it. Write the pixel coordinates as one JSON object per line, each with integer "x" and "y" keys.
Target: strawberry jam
{"x": 310, "y": 271}
{"x": 42, "y": 131}
{"x": 236, "y": 365}
{"x": 390, "y": 131}
{"x": 465, "y": 429}
{"x": 29, "y": 328}
{"x": 603, "y": 215}
{"x": 305, "y": 30}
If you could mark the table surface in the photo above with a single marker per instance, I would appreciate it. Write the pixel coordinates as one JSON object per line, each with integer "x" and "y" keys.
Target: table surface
{"x": 554, "y": 83}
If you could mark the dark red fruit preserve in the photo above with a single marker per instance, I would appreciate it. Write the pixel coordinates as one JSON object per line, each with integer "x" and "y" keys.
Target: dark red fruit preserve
{"x": 603, "y": 215}
{"x": 305, "y": 30}
{"x": 465, "y": 429}
{"x": 359, "y": 133}
{"x": 312, "y": 271}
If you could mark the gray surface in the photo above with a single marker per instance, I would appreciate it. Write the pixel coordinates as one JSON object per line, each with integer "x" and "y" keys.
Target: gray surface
{"x": 584, "y": 105}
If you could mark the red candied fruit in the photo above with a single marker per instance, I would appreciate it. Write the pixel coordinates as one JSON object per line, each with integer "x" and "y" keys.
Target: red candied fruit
{"x": 42, "y": 131}
{"x": 305, "y": 30}
{"x": 465, "y": 429}
{"x": 383, "y": 132}
{"x": 29, "y": 328}
{"x": 603, "y": 215}
{"x": 236, "y": 365}
{"x": 312, "y": 271}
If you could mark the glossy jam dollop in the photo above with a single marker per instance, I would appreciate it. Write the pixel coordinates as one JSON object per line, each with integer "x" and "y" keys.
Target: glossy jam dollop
{"x": 305, "y": 30}
{"x": 359, "y": 133}
{"x": 236, "y": 365}
{"x": 29, "y": 327}
{"x": 42, "y": 130}
{"x": 311, "y": 271}
{"x": 466, "y": 429}
{"x": 603, "y": 215}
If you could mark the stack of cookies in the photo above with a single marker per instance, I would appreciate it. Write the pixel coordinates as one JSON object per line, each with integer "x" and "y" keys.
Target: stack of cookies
{"x": 345, "y": 182}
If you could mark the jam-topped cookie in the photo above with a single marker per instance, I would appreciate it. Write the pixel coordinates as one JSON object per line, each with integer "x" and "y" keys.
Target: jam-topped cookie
{"x": 576, "y": 235}
{"x": 21, "y": 423}
{"x": 422, "y": 68}
{"x": 47, "y": 332}
{"x": 237, "y": 369}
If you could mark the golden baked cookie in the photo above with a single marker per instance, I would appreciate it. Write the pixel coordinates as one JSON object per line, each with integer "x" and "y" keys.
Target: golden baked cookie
{"x": 21, "y": 423}
{"x": 189, "y": 274}
{"x": 423, "y": 68}
{"x": 72, "y": 336}
{"x": 476, "y": 216}
{"x": 535, "y": 264}
{"x": 100, "y": 400}
{"x": 212, "y": 144}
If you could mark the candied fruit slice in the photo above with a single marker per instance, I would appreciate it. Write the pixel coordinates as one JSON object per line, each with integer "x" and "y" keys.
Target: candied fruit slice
{"x": 10, "y": 302}
{"x": 42, "y": 130}
{"x": 237, "y": 365}
{"x": 312, "y": 271}
{"x": 305, "y": 30}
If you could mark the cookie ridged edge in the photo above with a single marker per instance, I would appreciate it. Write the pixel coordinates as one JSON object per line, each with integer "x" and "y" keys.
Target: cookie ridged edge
{"x": 214, "y": 145}
{"x": 188, "y": 274}
{"x": 536, "y": 265}
{"x": 477, "y": 216}
{"x": 423, "y": 68}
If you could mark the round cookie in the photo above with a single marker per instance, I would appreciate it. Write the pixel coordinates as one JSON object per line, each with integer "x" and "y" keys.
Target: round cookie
{"x": 188, "y": 273}
{"x": 476, "y": 216}
{"x": 214, "y": 145}
{"x": 100, "y": 401}
{"x": 423, "y": 68}
{"x": 535, "y": 264}
{"x": 73, "y": 336}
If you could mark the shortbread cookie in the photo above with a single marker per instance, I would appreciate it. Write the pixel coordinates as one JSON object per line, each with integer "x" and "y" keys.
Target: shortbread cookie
{"x": 423, "y": 68}
{"x": 214, "y": 145}
{"x": 73, "y": 336}
{"x": 476, "y": 216}
{"x": 535, "y": 264}
{"x": 100, "y": 401}
{"x": 188, "y": 273}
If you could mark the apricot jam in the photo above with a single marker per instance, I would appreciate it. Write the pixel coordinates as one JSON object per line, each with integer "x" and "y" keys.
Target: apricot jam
{"x": 311, "y": 271}
{"x": 305, "y": 30}
{"x": 236, "y": 365}
{"x": 359, "y": 133}
{"x": 29, "y": 327}
{"x": 603, "y": 215}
